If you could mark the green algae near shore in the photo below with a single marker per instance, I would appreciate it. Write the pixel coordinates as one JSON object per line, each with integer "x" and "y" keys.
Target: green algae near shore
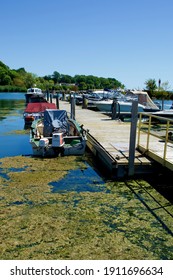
{"x": 111, "y": 223}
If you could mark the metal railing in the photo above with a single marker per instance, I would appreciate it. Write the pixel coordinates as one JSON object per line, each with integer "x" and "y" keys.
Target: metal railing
{"x": 158, "y": 130}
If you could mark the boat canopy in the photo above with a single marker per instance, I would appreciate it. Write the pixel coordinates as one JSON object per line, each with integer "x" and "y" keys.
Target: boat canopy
{"x": 55, "y": 120}
{"x": 39, "y": 107}
{"x": 142, "y": 97}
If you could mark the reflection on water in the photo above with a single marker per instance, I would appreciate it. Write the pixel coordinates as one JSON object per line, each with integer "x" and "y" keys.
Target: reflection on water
{"x": 11, "y": 120}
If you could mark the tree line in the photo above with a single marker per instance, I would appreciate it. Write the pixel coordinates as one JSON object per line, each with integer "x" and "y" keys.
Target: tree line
{"x": 20, "y": 80}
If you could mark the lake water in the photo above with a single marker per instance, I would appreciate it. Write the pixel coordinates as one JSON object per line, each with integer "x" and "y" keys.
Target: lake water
{"x": 64, "y": 208}
{"x": 13, "y": 139}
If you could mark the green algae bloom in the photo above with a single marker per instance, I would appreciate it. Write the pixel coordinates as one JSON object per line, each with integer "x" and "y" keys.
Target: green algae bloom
{"x": 111, "y": 223}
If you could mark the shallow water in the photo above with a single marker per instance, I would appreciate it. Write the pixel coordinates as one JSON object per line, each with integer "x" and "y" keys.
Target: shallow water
{"x": 13, "y": 137}
{"x": 91, "y": 181}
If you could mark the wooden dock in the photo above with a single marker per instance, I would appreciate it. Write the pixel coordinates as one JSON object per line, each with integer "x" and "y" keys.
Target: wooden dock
{"x": 109, "y": 140}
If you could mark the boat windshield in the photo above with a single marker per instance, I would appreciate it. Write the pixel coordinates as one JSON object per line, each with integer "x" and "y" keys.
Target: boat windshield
{"x": 34, "y": 90}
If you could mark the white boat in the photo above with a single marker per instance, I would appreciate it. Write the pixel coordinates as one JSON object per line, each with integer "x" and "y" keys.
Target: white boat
{"x": 123, "y": 106}
{"x": 124, "y": 102}
{"x": 143, "y": 99}
{"x": 57, "y": 134}
{"x": 33, "y": 92}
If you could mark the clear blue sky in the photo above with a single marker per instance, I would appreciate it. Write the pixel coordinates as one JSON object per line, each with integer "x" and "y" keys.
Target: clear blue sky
{"x": 130, "y": 40}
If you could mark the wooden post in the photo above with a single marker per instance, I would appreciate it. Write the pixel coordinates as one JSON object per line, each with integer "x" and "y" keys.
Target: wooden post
{"x": 132, "y": 144}
{"x": 57, "y": 102}
{"x": 63, "y": 96}
{"x": 72, "y": 102}
{"x": 114, "y": 110}
{"x": 84, "y": 102}
{"x": 47, "y": 95}
{"x": 51, "y": 97}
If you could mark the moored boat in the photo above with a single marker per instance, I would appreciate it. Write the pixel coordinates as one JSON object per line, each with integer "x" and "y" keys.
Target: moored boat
{"x": 145, "y": 104}
{"x": 35, "y": 111}
{"x": 33, "y": 93}
{"x": 55, "y": 134}
{"x": 123, "y": 106}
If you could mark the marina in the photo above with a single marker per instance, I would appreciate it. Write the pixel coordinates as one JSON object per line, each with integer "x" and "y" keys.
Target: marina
{"x": 86, "y": 140}
{"x": 68, "y": 208}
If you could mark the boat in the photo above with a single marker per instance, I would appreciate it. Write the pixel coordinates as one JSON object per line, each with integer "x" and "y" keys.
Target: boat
{"x": 171, "y": 108}
{"x": 123, "y": 106}
{"x": 33, "y": 92}
{"x": 57, "y": 134}
{"x": 35, "y": 111}
{"x": 124, "y": 102}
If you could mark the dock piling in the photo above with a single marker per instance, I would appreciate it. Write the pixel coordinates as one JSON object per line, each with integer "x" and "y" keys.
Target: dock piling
{"x": 72, "y": 102}
{"x": 132, "y": 144}
{"x": 115, "y": 109}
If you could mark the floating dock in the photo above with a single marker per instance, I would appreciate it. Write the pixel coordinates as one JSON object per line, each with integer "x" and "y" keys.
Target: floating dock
{"x": 109, "y": 141}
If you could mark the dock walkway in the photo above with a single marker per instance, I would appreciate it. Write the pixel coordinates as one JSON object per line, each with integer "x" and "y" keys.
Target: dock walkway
{"x": 109, "y": 140}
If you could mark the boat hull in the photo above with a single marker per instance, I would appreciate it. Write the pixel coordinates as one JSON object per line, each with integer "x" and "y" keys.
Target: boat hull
{"x": 66, "y": 150}
{"x": 124, "y": 107}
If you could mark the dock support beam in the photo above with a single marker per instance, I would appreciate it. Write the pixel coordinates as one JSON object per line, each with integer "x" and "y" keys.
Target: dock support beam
{"x": 57, "y": 102}
{"x": 84, "y": 102}
{"x": 115, "y": 109}
{"x": 47, "y": 95}
{"x": 72, "y": 102}
{"x": 132, "y": 144}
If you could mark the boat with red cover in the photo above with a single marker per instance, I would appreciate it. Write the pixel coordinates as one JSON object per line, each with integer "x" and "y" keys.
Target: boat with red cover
{"x": 36, "y": 111}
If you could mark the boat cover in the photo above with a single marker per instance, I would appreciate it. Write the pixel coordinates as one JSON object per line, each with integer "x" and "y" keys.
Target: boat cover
{"x": 39, "y": 107}
{"x": 54, "y": 120}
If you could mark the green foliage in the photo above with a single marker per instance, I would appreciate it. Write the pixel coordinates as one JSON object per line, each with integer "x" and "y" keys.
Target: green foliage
{"x": 161, "y": 92}
{"x": 12, "y": 88}
{"x": 151, "y": 86}
{"x": 20, "y": 79}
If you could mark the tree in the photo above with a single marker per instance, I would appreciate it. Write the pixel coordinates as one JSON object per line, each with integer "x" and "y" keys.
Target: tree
{"x": 82, "y": 86}
{"x": 5, "y": 78}
{"x": 151, "y": 86}
{"x": 163, "y": 91}
{"x": 165, "y": 86}
{"x": 56, "y": 77}
{"x": 30, "y": 80}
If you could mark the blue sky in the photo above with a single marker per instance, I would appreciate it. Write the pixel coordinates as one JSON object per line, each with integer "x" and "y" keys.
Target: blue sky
{"x": 130, "y": 40}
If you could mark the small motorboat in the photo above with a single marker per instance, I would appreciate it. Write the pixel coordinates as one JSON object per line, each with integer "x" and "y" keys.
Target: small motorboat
{"x": 57, "y": 134}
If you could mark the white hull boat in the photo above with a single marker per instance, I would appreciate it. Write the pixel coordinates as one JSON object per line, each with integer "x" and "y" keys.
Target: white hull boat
{"x": 33, "y": 92}
{"x": 124, "y": 103}
{"x": 123, "y": 106}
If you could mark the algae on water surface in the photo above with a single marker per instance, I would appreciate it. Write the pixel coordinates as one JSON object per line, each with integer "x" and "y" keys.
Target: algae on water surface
{"x": 109, "y": 222}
